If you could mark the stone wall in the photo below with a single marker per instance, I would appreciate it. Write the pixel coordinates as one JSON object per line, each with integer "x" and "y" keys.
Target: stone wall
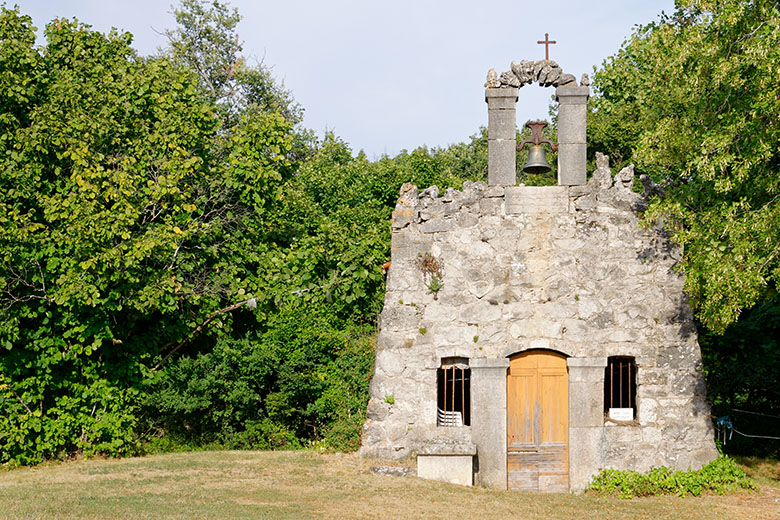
{"x": 565, "y": 268}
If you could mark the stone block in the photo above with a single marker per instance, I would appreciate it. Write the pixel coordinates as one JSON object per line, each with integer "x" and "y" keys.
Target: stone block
{"x": 478, "y": 288}
{"x": 466, "y": 220}
{"x": 440, "y": 313}
{"x": 557, "y": 310}
{"x": 623, "y": 336}
{"x": 502, "y": 162}
{"x": 571, "y": 95}
{"x": 389, "y": 363}
{"x": 494, "y": 191}
{"x": 586, "y": 404}
{"x": 535, "y": 328}
{"x": 570, "y": 244}
{"x": 447, "y": 444}
{"x": 454, "y": 469}
{"x": 480, "y": 313}
{"x": 407, "y": 244}
{"x": 501, "y": 97}
{"x": 488, "y": 420}
{"x": 647, "y": 410}
{"x": 536, "y": 199}
{"x": 502, "y": 124}
{"x": 402, "y": 217}
{"x": 438, "y": 225}
{"x": 572, "y": 159}
{"x": 572, "y": 126}
{"x": 398, "y": 317}
{"x": 586, "y": 456}
{"x": 490, "y": 207}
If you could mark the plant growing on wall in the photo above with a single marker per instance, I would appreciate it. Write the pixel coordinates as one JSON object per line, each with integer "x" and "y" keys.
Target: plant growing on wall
{"x": 431, "y": 269}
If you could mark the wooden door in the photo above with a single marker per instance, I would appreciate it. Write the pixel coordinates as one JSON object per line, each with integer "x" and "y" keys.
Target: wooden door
{"x": 537, "y": 411}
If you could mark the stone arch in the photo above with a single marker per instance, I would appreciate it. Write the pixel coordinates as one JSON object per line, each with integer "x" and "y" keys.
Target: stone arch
{"x": 546, "y": 72}
{"x": 564, "y": 349}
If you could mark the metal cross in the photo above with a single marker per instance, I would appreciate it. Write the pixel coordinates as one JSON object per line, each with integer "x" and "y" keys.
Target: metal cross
{"x": 546, "y": 43}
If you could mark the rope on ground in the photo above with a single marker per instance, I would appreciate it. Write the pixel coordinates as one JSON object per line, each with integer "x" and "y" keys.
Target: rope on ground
{"x": 755, "y": 436}
{"x": 755, "y": 413}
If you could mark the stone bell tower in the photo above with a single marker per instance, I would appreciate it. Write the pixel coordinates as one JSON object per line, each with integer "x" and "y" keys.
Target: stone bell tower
{"x": 534, "y": 335}
{"x": 501, "y": 95}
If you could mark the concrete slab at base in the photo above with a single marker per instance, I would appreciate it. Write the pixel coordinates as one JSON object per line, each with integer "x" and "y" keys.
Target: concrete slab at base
{"x": 455, "y": 469}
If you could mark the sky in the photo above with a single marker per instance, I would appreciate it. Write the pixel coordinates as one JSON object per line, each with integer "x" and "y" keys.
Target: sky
{"x": 393, "y": 75}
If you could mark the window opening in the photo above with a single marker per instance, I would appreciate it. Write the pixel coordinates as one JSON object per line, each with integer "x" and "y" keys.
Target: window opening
{"x": 620, "y": 388}
{"x": 453, "y": 381}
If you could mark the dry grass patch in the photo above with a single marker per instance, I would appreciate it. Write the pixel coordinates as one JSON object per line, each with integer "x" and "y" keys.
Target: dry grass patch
{"x": 304, "y": 484}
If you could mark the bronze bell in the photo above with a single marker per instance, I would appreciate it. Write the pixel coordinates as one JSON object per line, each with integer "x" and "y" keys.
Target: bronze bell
{"x": 537, "y": 157}
{"x": 537, "y": 160}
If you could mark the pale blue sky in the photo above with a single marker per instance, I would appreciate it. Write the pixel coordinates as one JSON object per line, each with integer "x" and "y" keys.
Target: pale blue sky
{"x": 398, "y": 74}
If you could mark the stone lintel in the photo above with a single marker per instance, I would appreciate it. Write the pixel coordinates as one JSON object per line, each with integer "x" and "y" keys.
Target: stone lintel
{"x": 489, "y": 363}
{"x": 536, "y": 199}
{"x": 586, "y": 362}
{"x": 459, "y": 448}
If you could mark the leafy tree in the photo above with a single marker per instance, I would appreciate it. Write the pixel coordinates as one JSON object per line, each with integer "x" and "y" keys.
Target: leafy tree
{"x": 130, "y": 222}
{"x": 206, "y": 41}
{"x": 741, "y": 367}
{"x": 690, "y": 99}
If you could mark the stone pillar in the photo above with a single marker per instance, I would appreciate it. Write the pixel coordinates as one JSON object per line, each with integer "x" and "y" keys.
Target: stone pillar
{"x": 488, "y": 419}
{"x": 572, "y": 150}
{"x": 586, "y": 420}
{"x": 502, "y": 129}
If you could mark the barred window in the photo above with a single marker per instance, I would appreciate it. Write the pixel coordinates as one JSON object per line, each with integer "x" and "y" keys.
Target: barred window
{"x": 620, "y": 388}
{"x": 453, "y": 382}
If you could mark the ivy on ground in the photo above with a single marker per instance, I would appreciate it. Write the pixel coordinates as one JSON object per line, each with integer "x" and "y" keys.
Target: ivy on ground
{"x": 719, "y": 476}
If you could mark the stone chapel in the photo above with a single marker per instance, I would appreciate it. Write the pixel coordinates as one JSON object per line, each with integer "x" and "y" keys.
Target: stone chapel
{"x": 532, "y": 336}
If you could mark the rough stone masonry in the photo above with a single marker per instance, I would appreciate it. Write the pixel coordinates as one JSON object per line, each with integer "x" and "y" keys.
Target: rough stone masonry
{"x": 562, "y": 268}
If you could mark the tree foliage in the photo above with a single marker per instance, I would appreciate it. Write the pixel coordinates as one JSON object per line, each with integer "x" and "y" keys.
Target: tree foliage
{"x": 145, "y": 202}
{"x": 691, "y": 100}
{"x": 129, "y": 218}
{"x": 205, "y": 40}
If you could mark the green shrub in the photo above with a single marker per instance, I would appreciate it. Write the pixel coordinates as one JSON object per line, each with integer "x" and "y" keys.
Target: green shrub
{"x": 304, "y": 379}
{"x": 719, "y": 476}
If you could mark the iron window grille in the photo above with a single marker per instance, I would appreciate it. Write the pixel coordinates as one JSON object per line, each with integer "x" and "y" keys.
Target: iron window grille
{"x": 453, "y": 403}
{"x": 620, "y": 387}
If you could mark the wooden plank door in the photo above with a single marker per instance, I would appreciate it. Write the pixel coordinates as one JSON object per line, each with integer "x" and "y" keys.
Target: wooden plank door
{"x": 537, "y": 411}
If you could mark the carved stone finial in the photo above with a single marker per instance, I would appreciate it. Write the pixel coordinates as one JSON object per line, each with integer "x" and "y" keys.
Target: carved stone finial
{"x": 492, "y": 79}
{"x": 625, "y": 178}
{"x": 585, "y": 80}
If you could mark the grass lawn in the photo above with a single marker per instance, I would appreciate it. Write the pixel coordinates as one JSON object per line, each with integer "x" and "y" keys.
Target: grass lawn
{"x": 304, "y": 484}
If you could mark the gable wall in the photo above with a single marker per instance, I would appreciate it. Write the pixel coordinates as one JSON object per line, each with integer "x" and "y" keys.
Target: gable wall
{"x": 561, "y": 268}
